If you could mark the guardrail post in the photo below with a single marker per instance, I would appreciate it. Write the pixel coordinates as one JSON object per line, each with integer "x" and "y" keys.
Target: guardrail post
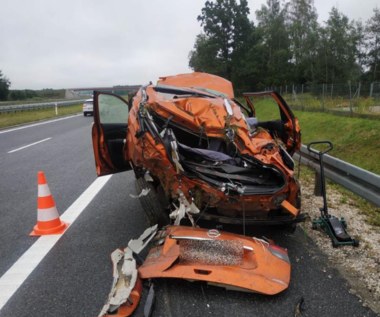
{"x": 317, "y": 184}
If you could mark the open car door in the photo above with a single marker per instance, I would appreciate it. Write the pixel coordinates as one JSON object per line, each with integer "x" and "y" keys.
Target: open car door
{"x": 283, "y": 125}
{"x": 109, "y": 133}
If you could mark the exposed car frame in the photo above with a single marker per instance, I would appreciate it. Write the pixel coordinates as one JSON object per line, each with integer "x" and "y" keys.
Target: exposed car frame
{"x": 191, "y": 143}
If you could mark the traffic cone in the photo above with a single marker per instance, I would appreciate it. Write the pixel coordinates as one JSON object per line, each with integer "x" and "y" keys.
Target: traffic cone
{"x": 48, "y": 221}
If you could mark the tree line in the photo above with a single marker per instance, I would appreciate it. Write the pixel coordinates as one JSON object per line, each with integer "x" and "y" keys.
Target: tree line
{"x": 288, "y": 45}
{"x": 4, "y": 86}
{"x": 26, "y": 94}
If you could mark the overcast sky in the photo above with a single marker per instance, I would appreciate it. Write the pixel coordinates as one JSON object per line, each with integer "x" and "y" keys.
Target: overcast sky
{"x": 86, "y": 43}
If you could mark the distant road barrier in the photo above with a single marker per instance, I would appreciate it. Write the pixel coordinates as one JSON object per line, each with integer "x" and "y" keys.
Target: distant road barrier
{"x": 42, "y": 105}
{"x": 355, "y": 179}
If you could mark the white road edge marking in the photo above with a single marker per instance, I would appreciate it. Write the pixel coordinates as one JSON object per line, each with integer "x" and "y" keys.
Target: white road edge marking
{"x": 20, "y": 270}
{"x": 38, "y": 123}
{"x": 31, "y": 144}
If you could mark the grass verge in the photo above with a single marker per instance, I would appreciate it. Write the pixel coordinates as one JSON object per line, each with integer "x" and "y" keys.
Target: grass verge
{"x": 355, "y": 140}
{"x": 15, "y": 118}
{"x": 362, "y": 105}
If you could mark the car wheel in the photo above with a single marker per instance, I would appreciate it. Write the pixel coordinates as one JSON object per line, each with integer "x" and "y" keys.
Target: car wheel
{"x": 151, "y": 204}
{"x": 84, "y": 114}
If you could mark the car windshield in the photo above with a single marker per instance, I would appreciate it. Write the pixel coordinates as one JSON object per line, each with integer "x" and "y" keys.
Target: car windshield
{"x": 212, "y": 92}
{"x": 173, "y": 92}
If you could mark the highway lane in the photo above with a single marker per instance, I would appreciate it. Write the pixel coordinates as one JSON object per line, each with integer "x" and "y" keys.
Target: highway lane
{"x": 75, "y": 276}
{"x": 67, "y": 162}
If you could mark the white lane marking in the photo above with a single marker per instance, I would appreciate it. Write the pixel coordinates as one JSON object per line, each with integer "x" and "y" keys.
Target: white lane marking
{"x": 19, "y": 271}
{"x": 39, "y": 123}
{"x": 31, "y": 144}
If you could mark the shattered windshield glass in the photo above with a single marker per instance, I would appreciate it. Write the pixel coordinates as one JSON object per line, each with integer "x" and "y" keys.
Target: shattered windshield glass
{"x": 173, "y": 92}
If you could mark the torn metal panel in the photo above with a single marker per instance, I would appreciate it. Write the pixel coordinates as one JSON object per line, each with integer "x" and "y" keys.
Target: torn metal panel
{"x": 227, "y": 260}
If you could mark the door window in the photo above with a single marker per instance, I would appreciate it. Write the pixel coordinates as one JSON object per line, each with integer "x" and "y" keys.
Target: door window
{"x": 112, "y": 110}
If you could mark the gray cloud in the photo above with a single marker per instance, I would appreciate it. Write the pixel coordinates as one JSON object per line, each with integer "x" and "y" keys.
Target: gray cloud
{"x": 57, "y": 44}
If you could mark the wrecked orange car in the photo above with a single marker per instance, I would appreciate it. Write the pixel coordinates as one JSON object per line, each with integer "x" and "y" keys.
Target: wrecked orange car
{"x": 197, "y": 150}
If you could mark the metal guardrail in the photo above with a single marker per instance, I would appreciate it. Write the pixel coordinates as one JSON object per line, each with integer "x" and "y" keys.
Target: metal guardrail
{"x": 41, "y": 105}
{"x": 355, "y": 179}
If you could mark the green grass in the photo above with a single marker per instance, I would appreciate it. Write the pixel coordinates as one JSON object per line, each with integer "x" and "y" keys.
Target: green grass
{"x": 15, "y": 118}
{"x": 362, "y": 105}
{"x": 355, "y": 140}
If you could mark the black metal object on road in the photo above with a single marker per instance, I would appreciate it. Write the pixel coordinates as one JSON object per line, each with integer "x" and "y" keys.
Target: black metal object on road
{"x": 334, "y": 227}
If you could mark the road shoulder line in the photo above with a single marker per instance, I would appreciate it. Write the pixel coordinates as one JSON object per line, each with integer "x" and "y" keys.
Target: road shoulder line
{"x": 37, "y": 124}
{"x": 24, "y": 266}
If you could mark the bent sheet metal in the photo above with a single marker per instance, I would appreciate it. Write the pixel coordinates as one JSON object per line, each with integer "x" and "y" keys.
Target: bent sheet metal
{"x": 220, "y": 258}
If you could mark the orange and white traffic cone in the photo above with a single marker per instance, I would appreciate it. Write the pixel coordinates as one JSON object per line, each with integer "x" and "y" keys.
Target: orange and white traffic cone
{"x": 48, "y": 221}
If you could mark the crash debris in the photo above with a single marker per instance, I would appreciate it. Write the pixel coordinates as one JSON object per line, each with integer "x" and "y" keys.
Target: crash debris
{"x": 143, "y": 193}
{"x": 222, "y": 259}
{"x": 185, "y": 208}
{"x": 199, "y": 153}
{"x": 126, "y": 287}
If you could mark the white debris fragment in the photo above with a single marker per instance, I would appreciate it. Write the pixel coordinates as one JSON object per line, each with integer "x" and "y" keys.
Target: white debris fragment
{"x": 144, "y": 192}
{"x": 178, "y": 214}
{"x": 124, "y": 279}
{"x": 148, "y": 177}
{"x": 137, "y": 245}
{"x": 125, "y": 271}
{"x": 185, "y": 208}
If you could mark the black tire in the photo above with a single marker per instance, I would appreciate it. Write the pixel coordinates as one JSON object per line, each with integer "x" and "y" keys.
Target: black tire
{"x": 151, "y": 204}
{"x": 290, "y": 228}
{"x": 84, "y": 114}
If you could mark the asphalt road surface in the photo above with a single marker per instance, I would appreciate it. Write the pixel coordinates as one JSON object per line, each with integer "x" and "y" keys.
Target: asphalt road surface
{"x": 75, "y": 276}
